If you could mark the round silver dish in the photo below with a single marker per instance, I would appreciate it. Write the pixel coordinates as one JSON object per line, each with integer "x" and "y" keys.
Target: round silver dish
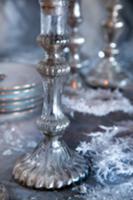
{"x": 20, "y": 105}
{"x": 18, "y": 77}
{"x": 20, "y": 95}
{"x": 20, "y": 88}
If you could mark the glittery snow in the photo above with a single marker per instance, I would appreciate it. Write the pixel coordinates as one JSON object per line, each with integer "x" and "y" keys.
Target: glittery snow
{"x": 86, "y": 192}
{"x": 14, "y": 140}
{"x": 98, "y": 102}
{"x": 111, "y": 154}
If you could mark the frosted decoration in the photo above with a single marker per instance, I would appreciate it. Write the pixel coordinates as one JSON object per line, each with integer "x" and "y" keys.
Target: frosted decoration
{"x": 12, "y": 139}
{"x": 3, "y": 193}
{"x": 98, "y": 102}
{"x": 111, "y": 153}
{"x": 86, "y": 192}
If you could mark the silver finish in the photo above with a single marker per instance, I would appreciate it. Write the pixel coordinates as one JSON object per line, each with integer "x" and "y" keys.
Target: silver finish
{"x": 109, "y": 73}
{"x": 52, "y": 165}
{"x": 19, "y": 106}
{"x": 24, "y": 92}
{"x": 20, "y": 95}
{"x": 25, "y": 78}
{"x": 77, "y": 59}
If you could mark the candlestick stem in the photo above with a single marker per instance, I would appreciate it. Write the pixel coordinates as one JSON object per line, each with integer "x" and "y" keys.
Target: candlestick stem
{"x": 77, "y": 59}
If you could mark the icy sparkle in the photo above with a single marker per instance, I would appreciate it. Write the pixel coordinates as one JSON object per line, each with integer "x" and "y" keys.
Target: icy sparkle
{"x": 98, "y": 102}
{"x": 13, "y": 139}
{"x": 111, "y": 154}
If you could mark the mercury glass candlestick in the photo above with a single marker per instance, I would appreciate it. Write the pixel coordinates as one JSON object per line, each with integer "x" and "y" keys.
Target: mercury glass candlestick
{"x": 109, "y": 73}
{"x": 77, "y": 59}
{"x": 52, "y": 165}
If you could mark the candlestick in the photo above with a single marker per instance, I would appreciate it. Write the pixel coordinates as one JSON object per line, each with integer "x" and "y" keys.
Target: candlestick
{"x": 109, "y": 73}
{"x": 52, "y": 165}
{"x": 77, "y": 59}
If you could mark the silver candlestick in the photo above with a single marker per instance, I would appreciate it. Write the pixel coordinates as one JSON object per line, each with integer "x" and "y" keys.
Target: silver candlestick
{"x": 52, "y": 165}
{"x": 77, "y": 59}
{"x": 109, "y": 73}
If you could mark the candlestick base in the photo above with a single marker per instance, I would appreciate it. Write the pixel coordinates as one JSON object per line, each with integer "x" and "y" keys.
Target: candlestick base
{"x": 74, "y": 83}
{"x": 108, "y": 74}
{"x": 52, "y": 166}
{"x": 76, "y": 80}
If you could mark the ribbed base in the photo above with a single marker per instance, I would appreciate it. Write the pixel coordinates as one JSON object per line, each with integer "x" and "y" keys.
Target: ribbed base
{"x": 51, "y": 166}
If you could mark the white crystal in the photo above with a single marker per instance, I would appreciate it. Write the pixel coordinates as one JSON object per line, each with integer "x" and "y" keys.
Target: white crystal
{"x": 7, "y": 152}
{"x": 111, "y": 155}
{"x": 98, "y": 102}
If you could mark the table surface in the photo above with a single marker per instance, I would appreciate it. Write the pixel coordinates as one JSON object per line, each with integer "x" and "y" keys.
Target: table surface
{"x": 27, "y": 131}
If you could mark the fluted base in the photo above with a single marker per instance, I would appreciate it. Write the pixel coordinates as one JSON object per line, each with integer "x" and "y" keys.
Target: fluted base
{"x": 107, "y": 75}
{"x": 51, "y": 166}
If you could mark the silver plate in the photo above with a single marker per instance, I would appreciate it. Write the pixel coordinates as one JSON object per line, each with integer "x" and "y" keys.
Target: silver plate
{"x": 18, "y": 77}
{"x": 20, "y": 95}
{"x": 20, "y": 105}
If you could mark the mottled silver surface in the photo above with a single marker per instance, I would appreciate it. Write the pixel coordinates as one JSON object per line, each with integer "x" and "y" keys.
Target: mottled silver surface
{"x": 108, "y": 72}
{"x": 18, "y": 137}
{"x": 52, "y": 165}
{"x": 77, "y": 59}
